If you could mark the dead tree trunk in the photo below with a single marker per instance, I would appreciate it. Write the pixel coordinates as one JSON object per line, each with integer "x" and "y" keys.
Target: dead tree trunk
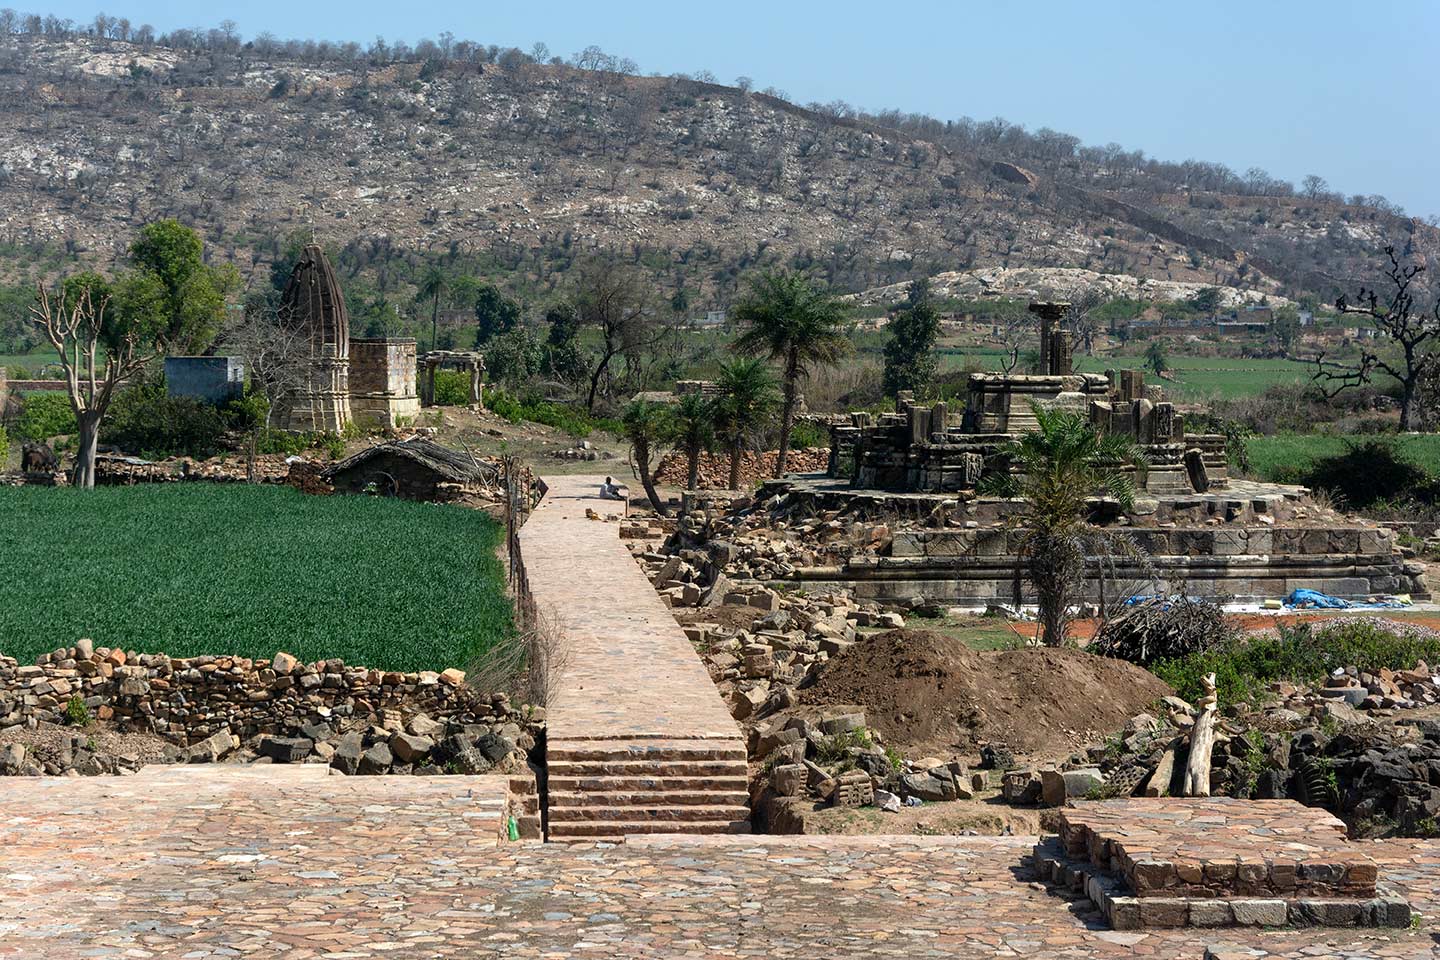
{"x": 1202, "y": 743}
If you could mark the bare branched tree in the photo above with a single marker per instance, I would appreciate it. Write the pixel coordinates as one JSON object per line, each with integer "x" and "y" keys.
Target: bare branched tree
{"x": 613, "y": 299}
{"x": 1015, "y": 330}
{"x": 1394, "y": 317}
{"x": 276, "y": 355}
{"x": 1077, "y": 321}
{"x": 96, "y": 355}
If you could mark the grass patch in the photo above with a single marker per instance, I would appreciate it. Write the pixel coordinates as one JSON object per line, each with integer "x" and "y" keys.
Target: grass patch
{"x": 1301, "y": 653}
{"x": 189, "y": 569}
{"x": 977, "y": 633}
{"x": 1289, "y": 454}
{"x": 1196, "y": 378}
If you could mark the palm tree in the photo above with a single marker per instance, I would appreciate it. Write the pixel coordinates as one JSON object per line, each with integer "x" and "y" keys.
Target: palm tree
{"x": 747, "y": 400}
{"x": 796, "y": 323}
{"x": 433, "y": 285}
{"x": 693, "y": 429}
{"x": 647, "y": 425}
{"x": 1058, "y": 469}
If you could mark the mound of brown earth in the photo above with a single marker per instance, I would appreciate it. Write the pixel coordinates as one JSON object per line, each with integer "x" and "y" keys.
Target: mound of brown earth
{"x": 928, "y": 693}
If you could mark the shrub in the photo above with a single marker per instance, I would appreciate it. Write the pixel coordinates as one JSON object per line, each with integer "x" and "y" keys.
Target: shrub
{"x": 452, "y": 388}
{"x": 4, "y": 446}
{"x": 806, "y": 434}
{"x": 1304, "y": 653}
{"x": 77, "y": 714}
{"x": 1370, "y": 470}
{"x": 534, "y": 409}
{"x": 147, "y": 421}
{"x": 45, "y": 415}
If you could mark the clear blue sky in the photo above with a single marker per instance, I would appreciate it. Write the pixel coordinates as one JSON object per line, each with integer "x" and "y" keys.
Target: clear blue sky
{"x": 1349, "y": 91}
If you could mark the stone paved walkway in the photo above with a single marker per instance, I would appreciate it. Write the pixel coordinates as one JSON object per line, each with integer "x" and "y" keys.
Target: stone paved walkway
{"x": 629, "y": 671}
{"x": 377, "y": 868}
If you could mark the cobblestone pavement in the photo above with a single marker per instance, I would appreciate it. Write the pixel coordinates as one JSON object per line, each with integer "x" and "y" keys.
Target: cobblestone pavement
{"x": 391, "y": 867}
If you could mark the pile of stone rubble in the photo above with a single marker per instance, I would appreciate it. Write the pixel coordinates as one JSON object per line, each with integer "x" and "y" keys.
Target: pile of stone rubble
{"x": 835, "y": 760}
{"x": 1359, "y": 755}
{"x": 792, "y": 636}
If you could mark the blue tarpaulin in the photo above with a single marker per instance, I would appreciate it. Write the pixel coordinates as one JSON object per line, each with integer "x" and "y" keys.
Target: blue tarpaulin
{"x": 1314, "y": 598}
{"x": 1317, "y": 600}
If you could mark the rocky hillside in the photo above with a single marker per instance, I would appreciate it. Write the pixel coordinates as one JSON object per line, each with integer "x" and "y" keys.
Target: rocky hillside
{"x": 524, "y": 167}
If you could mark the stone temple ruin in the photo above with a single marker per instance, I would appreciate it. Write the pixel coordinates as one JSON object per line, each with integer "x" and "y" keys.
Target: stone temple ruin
{"x": 1203, "y": 531}
{"x": 313, "y": 302}
{"x": 378, "y": 383}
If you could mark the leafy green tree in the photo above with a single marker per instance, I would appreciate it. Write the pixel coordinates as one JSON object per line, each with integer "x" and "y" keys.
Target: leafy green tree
{"x": 562, "y": 358}
{"x": 104, "y": 333}
{"x": 172, "y": 281}
{"x": 495, "y": 314}
{"x": 909, "y": 353}
{"x": 1207, "y": 300}
{"x": 1057, "y": 469}
{"x": 693, "y": 430}
{"x": 798, "y": 324}
{"x": 747, "y": 401}
{"x": 1156, "y": 360}
{"x": 433, "y": 285}
{"x": 513, "y": 357}
{"x": 1286, "y": 328}
{"x": 647, "y": 426}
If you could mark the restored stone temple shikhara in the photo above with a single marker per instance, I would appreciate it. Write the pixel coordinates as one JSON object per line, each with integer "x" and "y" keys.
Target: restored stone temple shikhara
{"x": 366, "y": 381}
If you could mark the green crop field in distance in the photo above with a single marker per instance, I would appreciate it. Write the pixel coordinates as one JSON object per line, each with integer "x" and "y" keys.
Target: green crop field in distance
{"x": 1292, "y": 451}
{"x": 1196, "y": 378}
{"x": 190, "y": 569}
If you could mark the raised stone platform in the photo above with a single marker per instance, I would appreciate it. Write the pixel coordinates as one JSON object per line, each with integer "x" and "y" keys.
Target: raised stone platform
{"x": 639, "y": 740}
{"x": 1217, "y": 862}
{"x": 1239, "y": 543}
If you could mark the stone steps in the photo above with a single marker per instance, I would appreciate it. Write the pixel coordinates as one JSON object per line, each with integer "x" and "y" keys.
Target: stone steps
{"x": 645, "y": 750}
{"x": 610, "y": 789}
{"x": 657, "y": 798}
{"x": 647, "y": 768}
{"x": 642, "y": 784}
{"x": 591, "y": 830}
{"x": 596, "y": 809}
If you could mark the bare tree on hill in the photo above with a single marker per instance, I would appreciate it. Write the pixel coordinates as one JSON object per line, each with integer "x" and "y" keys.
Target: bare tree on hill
{"x": 1412, "y": 330}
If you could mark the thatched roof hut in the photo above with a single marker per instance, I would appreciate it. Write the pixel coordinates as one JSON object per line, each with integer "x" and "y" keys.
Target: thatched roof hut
{"x": 416, "y": 469}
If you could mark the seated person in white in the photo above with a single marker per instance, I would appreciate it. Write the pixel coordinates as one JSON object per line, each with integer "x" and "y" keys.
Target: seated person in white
{"x": 609, "y": 490}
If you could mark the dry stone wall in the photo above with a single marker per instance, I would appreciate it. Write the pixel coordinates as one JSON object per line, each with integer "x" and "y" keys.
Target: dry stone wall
{"x": 356, "y": 719}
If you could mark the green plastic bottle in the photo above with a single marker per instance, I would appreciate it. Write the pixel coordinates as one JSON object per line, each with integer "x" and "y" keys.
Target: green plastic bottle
{"x": 513, "y": 829}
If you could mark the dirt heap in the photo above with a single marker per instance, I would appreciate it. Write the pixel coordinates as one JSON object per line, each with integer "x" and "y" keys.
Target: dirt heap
{"x": 928, "y": 693}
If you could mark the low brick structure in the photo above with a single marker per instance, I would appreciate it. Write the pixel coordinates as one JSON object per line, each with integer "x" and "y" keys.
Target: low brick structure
{"x": 1216, "y": 862}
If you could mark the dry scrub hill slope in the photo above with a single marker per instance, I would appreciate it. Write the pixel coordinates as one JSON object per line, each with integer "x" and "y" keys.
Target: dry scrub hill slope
{"x": 551, "y": 160}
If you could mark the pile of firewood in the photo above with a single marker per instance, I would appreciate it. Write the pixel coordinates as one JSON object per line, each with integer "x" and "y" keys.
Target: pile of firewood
{"x": 1162, "y": 628}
